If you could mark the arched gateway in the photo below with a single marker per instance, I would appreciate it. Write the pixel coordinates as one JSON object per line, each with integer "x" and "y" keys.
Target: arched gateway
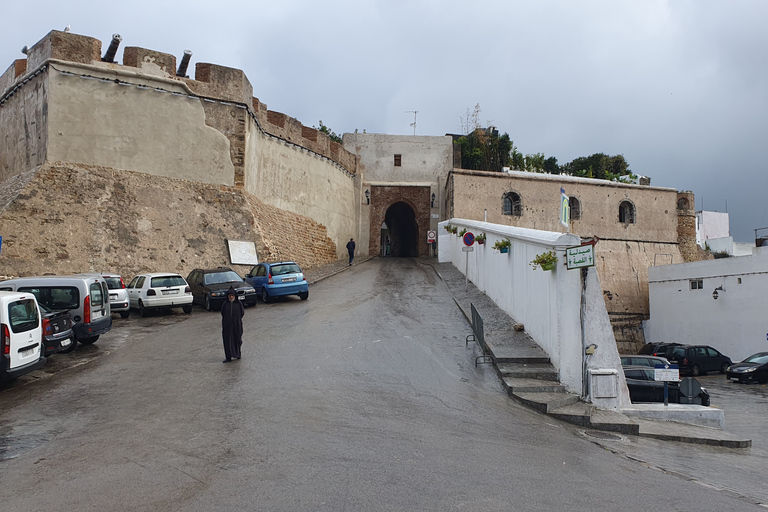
{"x": 399, "y": 221}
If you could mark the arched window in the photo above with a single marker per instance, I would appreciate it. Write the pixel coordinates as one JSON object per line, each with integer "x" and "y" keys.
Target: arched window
{"x": 512, "y": 205}
{"x": 626, "y": 212}
{"x": 574, "y": 208}
{"x": 682, "y": 203}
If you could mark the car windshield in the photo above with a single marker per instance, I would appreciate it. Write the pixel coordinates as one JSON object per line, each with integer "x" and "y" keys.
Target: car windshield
{"x": 757, "y": 358}
{"x": 288, "y": 268}
{"x": 166, "y": 281}
{"x": 222, "y": 277}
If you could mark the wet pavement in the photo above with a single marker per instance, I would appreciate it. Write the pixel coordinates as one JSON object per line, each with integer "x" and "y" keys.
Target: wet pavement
{"x": 362, "y": 398}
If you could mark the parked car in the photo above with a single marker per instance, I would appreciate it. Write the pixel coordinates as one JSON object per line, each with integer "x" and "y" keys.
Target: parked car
{"x": 643, "y": 388}
{"x": 58, "y": 336}
{"x": 272, "y": 280}
{"x": 118, "y": 296}
{"x": 641, "y": 360}
{"x": 85, "y": 296}
{"x": 655, "y": 349}
{"x": 697, "y": 359}
{"x": 209, "y": 287}
{"x": 20, "y": 335}
{"x": 159, "y": 291}
{"x": 753, "y": 368}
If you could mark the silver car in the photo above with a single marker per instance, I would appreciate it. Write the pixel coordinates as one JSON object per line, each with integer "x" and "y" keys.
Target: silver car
{"x": 118, "y": 296}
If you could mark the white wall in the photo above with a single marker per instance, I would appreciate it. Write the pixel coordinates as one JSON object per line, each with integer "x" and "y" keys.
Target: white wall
{"x": 711, "y": 225}
{"x": 736, "y": 323}
{"x": 548, "y": 303}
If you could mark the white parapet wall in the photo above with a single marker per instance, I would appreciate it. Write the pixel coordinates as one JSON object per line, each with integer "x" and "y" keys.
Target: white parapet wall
{"x": 549, "y": 303}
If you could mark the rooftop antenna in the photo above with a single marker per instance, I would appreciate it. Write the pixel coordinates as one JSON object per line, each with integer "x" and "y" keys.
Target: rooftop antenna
{"x": 414, "y": 112}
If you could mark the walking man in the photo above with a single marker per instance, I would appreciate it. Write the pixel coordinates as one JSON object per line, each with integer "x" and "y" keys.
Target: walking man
{"x": 351, "y": 250}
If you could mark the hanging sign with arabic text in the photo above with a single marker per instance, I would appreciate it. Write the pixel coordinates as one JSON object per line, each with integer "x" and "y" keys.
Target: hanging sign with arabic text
{"x": 580, "y": 257}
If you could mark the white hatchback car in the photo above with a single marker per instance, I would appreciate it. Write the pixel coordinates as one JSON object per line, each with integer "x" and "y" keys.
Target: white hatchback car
{"x": 158, "y": 291}
{"x": 20, "y": 335}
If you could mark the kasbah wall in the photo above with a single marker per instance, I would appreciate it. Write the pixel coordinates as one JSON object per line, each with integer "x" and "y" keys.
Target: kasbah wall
{"x": 129, "y": 168}
{"x": 662, "y": 233}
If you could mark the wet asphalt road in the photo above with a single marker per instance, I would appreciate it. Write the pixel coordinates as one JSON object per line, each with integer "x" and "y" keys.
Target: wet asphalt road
{"x": 362, "y": 398}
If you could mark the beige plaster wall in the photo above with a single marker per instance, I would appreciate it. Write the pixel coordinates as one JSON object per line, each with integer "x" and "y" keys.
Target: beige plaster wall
{"x": 656, "y": 207}
{"x": 287, "y": 177}
{"x": 97, "y": 122}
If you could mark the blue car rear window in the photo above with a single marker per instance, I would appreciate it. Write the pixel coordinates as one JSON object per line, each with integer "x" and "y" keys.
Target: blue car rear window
{"x": 279, "y": 270}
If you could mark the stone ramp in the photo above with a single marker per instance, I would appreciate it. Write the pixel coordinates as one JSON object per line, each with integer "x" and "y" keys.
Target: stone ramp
{"x": 530, "y": 379}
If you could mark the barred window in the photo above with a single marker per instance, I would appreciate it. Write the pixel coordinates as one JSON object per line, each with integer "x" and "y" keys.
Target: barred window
{"x": 697, "y": 284}
{"x": 626, "y": 212}
{"x": 512, "y": 204}
{"x": 574, "y": 208}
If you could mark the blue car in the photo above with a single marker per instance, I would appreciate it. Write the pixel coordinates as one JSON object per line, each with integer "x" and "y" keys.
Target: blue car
{"x": 277, "y": 279}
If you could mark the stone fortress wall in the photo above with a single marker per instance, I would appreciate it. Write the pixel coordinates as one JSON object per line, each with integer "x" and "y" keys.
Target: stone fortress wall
{"x": 70, "y": 116}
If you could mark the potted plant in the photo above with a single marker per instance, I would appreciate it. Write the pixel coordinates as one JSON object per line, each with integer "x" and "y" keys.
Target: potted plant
{"x": 502, "y": 245}
{"x": 463, "y": 232}
{"x": 480, "y": 239}
{"x": 450, "y": 229}
{"x": 545, "y": 260}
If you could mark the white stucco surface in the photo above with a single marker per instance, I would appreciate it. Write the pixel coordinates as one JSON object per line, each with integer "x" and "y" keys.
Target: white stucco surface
{"x": 711, "y": 225}
{"x": 736, "y": 323}
{"x": 548, "y": 303}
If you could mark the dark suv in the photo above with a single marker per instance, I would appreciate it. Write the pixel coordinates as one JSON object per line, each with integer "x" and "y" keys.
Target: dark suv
{"x": 697, "y": 359}
{"x": 209, "y": 287}
{"x": 656, "y": 349}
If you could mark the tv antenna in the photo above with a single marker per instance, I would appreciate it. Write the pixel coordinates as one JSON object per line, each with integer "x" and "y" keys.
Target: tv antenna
{"x": 414, "y": 112}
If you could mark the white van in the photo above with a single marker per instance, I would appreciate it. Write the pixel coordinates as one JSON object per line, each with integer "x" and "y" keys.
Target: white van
{"x": 85, "y": 296}
{"x": 21, "y": 335}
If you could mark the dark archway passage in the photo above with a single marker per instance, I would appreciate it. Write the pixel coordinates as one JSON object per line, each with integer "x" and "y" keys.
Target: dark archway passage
{"x": 403, "y": 232}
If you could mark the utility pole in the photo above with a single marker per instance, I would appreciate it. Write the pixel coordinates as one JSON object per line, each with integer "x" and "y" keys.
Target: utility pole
{"x": 414, "y": 112}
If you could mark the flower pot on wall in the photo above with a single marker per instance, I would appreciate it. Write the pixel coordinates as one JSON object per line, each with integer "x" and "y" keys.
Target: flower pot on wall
{"x": 504, "y": 250}
{"x": 548, "y": 266}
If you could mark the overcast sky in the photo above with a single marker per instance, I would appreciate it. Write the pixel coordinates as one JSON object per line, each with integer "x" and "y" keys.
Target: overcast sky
{"x": 680, "y": 88}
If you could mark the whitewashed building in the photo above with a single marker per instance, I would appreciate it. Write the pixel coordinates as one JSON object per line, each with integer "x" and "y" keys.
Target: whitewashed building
{"x": 721, "y": 303}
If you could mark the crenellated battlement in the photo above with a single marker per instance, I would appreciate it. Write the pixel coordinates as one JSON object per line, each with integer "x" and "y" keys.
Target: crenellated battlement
{"x": 211, "y": 81}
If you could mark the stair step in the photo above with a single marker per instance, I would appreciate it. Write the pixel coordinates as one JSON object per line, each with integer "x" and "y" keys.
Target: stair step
{"x": 546, "y": 402}
{"x": 577, "y": 413}
{"x": 516, "y": 385}
{"x": 613, "y": 422}
{"x": 527, "y": 371}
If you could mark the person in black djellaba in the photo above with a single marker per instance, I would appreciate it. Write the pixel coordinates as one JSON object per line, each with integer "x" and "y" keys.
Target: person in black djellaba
{"x": 232, "y": 312}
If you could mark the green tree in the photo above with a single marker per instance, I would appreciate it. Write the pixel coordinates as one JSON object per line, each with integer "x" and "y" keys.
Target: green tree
{"x": 534, "y": 162}
{"x": 485, "y": 150}
{"x": 550, "y": 166}
{"x": 598, "y": 165}
{"x": 330, "y": 133}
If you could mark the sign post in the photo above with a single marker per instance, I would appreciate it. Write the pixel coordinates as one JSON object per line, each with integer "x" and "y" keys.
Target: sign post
{"x": 431, "y": 237}
{"x": 667, "y": 373}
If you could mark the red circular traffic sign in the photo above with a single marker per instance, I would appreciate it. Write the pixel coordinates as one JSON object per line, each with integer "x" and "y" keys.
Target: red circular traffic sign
{"x": 469, "y": 238}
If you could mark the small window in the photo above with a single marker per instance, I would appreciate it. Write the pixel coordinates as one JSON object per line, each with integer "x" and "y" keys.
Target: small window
{"x": 738, "y": 280}
{"x": 512, "y": 204}
{"x": 697, "y": 284}
{"x": 682, "y": 204}
{"x": 626, "y": 212}
{"x": 398, "y": 160}
{"x": 574, "y": 208}
{"x": 55, "y": 297}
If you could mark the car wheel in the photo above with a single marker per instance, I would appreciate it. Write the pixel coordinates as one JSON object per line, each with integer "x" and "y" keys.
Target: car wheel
{"x": 304, "y": 295}
{"x": 70, "y": 348}
{"x": 89, "y": 340}
{"x": 695, "y": 370}
{"x": 762, "y": 378}
{"x": 187, "y": 309}
{"x": 264, "y": 296}
{"x": 125, "y": 314}
{"x": 142, "y": 310}
{"x": 208, "y": 306}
